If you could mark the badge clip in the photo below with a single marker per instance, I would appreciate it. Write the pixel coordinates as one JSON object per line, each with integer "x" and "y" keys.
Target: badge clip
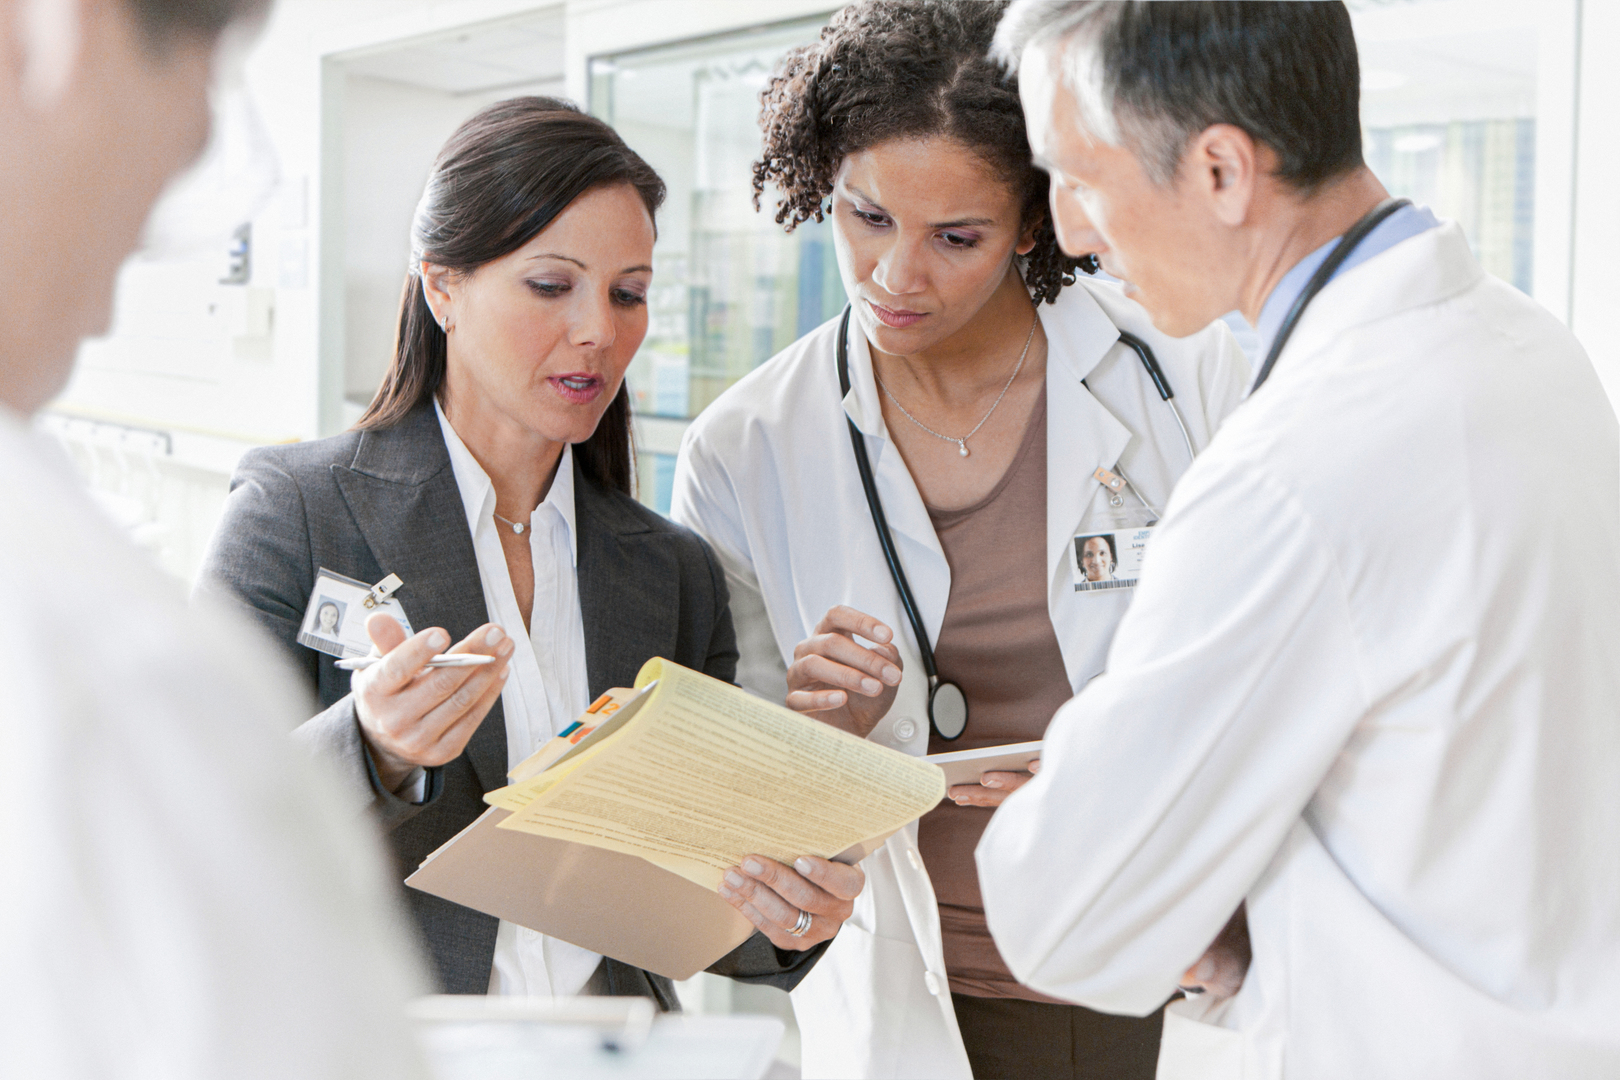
{"x": 1113, "y": 482}
{"x": 380, "y": 592}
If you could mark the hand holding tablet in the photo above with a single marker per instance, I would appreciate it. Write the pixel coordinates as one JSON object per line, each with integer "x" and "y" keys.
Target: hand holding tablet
{"x": 986, "y": 776}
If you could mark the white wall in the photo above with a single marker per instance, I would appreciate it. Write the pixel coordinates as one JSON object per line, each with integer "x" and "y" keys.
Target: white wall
{"x": 1595, "y": 284}
{"x": 392, "y": 132}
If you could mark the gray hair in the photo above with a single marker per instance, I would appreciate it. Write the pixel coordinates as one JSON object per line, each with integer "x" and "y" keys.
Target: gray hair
{"x": 1149, "y": 75}
{"x": 1078, "y": 25}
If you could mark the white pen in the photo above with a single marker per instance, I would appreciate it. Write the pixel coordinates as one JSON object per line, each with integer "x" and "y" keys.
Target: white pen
{"x": 360, "y": 663}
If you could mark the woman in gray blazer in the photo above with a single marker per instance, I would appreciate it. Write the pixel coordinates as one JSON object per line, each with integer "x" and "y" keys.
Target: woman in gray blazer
{"x": 492, "y": 474}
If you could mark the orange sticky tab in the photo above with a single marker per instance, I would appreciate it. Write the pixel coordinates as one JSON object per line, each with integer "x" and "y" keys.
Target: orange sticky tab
{"x": 1109, "y": 480}
{"x": 599, "y": 702}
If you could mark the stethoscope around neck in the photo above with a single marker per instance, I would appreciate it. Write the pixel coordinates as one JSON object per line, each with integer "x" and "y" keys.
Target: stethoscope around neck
{"x": 947, "y": 705}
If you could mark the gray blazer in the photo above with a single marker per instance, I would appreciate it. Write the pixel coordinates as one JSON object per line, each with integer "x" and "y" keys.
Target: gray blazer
{"x": 369, "y": 503}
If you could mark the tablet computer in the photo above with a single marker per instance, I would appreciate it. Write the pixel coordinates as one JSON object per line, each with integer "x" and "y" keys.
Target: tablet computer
{"x": 966, "y": 766}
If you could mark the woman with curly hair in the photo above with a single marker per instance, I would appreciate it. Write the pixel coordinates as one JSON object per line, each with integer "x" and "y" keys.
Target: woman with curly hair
{"x": 1003, "y": 416}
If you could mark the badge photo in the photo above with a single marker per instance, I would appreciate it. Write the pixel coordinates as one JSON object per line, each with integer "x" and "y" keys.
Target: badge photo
{"x": 1109, "y": 560}
{"x": 335, "y": 620}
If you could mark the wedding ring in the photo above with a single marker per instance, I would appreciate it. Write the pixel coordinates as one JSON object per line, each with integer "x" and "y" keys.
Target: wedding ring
{"x": 801, "y": 927}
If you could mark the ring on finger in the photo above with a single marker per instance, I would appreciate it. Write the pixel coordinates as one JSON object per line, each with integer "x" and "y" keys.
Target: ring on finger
{"x": 802, "y": 927}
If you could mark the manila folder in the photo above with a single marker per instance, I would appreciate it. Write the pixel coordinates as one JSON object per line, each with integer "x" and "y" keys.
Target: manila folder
{"x": 608, "y": 902}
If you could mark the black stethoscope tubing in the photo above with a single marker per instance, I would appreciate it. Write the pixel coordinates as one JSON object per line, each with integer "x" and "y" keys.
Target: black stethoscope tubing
{"x": 946, "y": 694}
{"x": 874, "y": 503}
{"x": 1324, "y": 273}
{"x": 1161, "y": 383}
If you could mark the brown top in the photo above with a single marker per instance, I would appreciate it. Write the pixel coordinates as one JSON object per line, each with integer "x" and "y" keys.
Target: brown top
{"x": 998, "y": 645}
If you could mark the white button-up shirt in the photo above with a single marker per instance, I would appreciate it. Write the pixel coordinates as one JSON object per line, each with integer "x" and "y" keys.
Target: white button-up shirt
{"x": 548, "y": 687}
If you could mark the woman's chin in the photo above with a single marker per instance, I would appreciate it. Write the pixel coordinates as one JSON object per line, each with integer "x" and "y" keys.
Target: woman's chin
{"x": 901, "y": 341}
{"x": 566, "y": 425}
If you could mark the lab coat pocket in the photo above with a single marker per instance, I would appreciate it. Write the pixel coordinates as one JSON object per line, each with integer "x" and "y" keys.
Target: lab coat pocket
{"x": 1193, "y": 1048}
{"x": 855, "y": 1011}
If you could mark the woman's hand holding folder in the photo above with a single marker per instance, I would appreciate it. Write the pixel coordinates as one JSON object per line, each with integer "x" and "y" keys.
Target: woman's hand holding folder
{"x": 771, "y": 896}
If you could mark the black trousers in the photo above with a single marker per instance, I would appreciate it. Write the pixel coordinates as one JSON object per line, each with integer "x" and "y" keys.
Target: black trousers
{"x": 1008, "y": 1039}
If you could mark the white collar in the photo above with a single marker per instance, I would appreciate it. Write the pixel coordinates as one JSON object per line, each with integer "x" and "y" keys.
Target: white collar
{"x": 478, "y": 494}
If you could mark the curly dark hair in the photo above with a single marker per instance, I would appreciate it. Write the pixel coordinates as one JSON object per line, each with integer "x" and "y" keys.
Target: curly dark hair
{"x": 891, "y": 69}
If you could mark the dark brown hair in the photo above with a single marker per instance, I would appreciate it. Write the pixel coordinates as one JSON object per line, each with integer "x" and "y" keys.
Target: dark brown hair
{"x": 893, "y": 69}
{"x": 505, "y": 175}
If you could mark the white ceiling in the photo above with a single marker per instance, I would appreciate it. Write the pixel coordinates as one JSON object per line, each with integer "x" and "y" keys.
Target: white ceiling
{"x": 475, "y": 58}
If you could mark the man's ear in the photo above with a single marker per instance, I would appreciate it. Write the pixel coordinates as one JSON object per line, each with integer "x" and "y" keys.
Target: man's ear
{"x": 1222, "y": 164}
{"x": 438, "y": 287}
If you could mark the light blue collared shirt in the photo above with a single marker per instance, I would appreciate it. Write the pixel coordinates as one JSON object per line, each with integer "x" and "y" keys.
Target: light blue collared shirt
{"x": 1403, "y": 224}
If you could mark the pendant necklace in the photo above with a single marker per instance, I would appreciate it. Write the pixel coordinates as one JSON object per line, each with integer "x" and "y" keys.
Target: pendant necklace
{"x": 517, "y": 526}
{"x": 961, "y": 443}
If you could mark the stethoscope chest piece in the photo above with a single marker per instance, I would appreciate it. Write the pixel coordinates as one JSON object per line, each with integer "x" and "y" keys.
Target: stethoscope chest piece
{"x": 947, "y": 709}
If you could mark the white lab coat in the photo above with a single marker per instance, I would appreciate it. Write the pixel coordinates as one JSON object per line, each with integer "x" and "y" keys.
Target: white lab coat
{"x": 767, "y": 476}
{"x": 1369, "y": 683}
{"x": 186, "y": 894}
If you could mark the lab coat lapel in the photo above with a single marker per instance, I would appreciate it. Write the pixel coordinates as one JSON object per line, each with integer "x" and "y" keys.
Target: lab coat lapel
{"x": 1081, "y": 434}
{"x": 403, "y": 495}
{"x": 913, "y": 530}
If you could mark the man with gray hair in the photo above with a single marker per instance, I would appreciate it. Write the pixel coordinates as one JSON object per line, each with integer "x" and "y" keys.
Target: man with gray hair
{"x": 1386, "y": 728}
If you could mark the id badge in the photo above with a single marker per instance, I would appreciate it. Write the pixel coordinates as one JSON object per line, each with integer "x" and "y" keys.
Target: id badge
{"x": 1108, "y": 555}
{"x": 335, "y": 620}
{"x": 1109, "y": 560}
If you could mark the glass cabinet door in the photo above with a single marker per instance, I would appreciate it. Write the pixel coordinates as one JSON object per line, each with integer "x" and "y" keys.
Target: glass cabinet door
{"x": 730, "y": 288}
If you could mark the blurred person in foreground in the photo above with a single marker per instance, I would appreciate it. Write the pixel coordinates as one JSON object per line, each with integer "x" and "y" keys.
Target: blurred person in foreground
{"x": 1388, "y": 727}
{"x": 185, "y": 897}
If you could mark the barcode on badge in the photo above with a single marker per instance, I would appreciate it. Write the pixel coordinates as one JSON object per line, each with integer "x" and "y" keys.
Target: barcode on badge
{"x": 1090, "y": 586}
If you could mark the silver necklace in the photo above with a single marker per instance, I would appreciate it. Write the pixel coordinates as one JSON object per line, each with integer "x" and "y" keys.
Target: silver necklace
{"x": 517, "y": 526}
{"x": 961, "y": 443}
